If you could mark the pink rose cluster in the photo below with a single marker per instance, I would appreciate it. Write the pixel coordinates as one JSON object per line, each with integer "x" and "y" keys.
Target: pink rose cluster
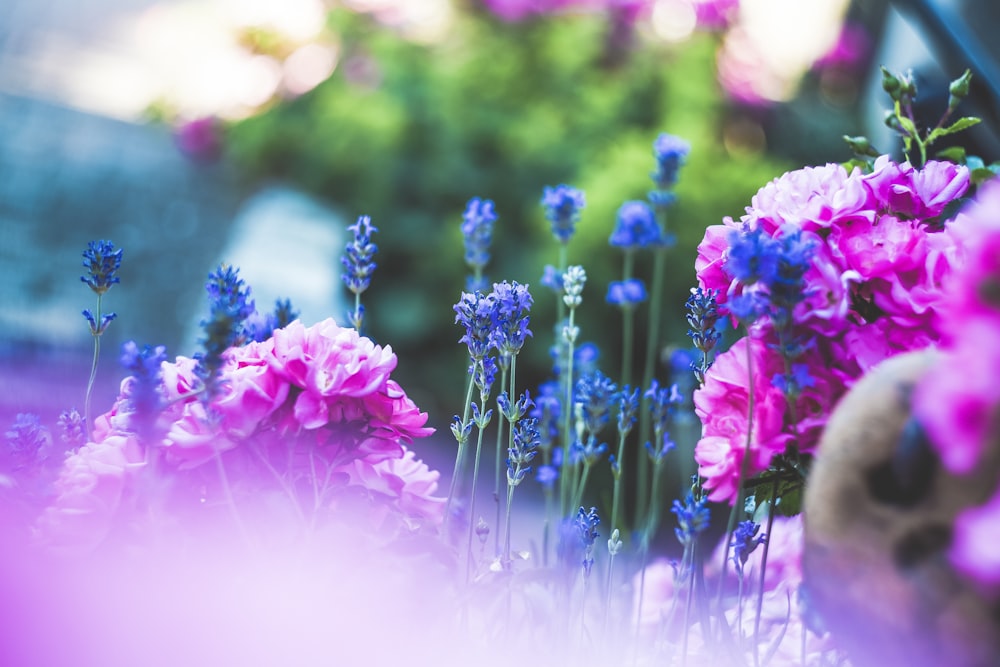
{"x": 873, "y": 289}
{"x": 958, "y": 399}
{"x": 310, "y": 406}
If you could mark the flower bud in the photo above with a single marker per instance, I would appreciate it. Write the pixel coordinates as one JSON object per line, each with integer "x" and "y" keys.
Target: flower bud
{"x": 891, "y": 84}
{"x": 959, "y": 89}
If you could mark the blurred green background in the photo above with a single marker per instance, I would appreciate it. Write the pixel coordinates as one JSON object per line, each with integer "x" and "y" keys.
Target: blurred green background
{"x": 408, "y": 132}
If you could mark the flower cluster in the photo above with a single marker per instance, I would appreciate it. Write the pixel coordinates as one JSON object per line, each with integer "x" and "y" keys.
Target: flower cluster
{"x": 307, "y": 398}
{"x": 562, "y": 208}
{"x": 835, "y": 271}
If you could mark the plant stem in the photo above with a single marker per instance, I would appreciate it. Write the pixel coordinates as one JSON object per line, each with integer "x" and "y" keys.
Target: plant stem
{"x": 93, "y": 367}
{"x": 459, "y": 457}
{"x": 763, "y": 574}
{"x": 616, "y": 494}
{"x": 496, "y": 471}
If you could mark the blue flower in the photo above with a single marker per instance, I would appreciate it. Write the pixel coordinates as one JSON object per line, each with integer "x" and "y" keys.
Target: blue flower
{"x": 98, "y": 328}
{"x": 28, "y": 442}
{"x": 357, "y": 259}
{"x": 562, "y": 208}
{"x": 547, "y": 476}
{"x": 477, "y": 231}
{"x": 552, "y": 279}
{"x": 792, "y": 384}
{"x": 636, "y": 227}
{"x": 626, "y": 293}
{"x": 523, "y": 450}
{"x": 144, "y": 398}
{"x": 586, "y": 527}
{"x": 513, "y": 302}
{"x": 752, "y": 257}
{"x": 692, "y": 518}
{"x": 476, "y": 312}
{"x": 230, "y": 306}
{"x": 102, "y": 262}
{"x": 670, "y": 153}
{"x": 596, "y": 392}
{"x": 548, "y": 412}
{"x": 745, "y": 542}
{"x": 73, "y": 428}
{"x": 628, "y": 406}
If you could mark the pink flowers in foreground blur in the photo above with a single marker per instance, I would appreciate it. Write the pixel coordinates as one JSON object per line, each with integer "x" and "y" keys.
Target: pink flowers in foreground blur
{"x": 311, "y": 407}
{"x": 872, "y": 290}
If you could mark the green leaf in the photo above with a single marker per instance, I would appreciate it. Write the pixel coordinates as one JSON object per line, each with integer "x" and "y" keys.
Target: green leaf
{"x": 954, "y": 154}
{"x": 959, "y": 125}
{"x": 980, "y": 176}
{"x": 907, "y": 125}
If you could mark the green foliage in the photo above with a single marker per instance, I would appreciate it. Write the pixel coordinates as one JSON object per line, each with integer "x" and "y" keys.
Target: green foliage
{"x": 407, "y": 133}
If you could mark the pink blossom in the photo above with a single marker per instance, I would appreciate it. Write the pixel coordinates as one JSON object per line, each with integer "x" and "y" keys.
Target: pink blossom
{"x": 975, "y": 233}
{"x": 709, "y": 265}
{"x": 902, "y": 190}
{"x": 405, "y": 483}
{"x": 88, "y": 493}
{"x": 722, "y": 404}
{"x": 784, "y": 555}
{"x": 715, "y": 15}
{"x": 812, "y": 198}
{"x": 957, "y": 399}
{"x": 975, "y": 547}
{"x": 880, "y": 247}
{"x": 252, "y": 391}
{"x": 849, "y": 50}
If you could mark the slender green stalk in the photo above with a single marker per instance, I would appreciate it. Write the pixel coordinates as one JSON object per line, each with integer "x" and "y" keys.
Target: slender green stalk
{"x": 475, "y": 478}
{"x": 744, "y": 467}
{"x": 628, "y": 322}
{"x": 93, "y": 367}
{"x": 565, "y": 466}
{"x": 763, "y": 575}
{"x": 498, "y": 463}
{"x": 649, "y": 366}
{"x": 460, "y": 455}
{"x": 617, "y": 474}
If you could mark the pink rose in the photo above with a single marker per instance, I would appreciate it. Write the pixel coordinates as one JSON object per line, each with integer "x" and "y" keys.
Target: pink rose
{"x": 405, "y": 483}
{"x": 88, "y": 493}
{"x": 811, "y": 199}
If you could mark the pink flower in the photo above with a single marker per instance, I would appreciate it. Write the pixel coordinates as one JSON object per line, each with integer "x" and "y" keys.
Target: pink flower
{"x": 957, "y": 399}
{"x": 722, "y": 404}
{"x": 902, "y": 190}
{"x": 252, "y": 391}
{"x": 88, "y": 493}
{"x": 709, "y": 266}
{"x": 975, "y": 233}
{"x": 715, "y": 15}
{"x": 812, "y": 199}
{"x": 975, "y": 547}
{"x": 405, "y": 483}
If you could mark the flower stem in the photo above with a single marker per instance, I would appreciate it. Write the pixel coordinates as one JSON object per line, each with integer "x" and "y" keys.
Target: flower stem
{"x": 93, "y": 368}
{"x": 763, "y": 574}
{"x": 497, "y": 468}
{"x": 459, "y": 456}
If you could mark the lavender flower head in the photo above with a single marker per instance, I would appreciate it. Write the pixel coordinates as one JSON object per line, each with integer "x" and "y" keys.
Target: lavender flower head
{"x": 586, "y": 526}
{"x": 670, "y": 153}
{"x": 477, "y": 234}
{"x": 745, "y": 542}
{"x": 562, "y": 208}
{"x": 626, "y": 293}
{"x": 102, "y": 262}
{"x": 144, "y": 399}
{"x": 596, "y": 393}
{"x": 73, "y": 431}
{"x": 357, "y": 259}
{"x": 523, "y": 450}
{"x": 28, "y": 442}
{"x": 692, "y": 518}
{"x": 476, "y": 312}
{"x": 628, "y": 406}
{"x": 230, "y": 306}
{"x": 513, "y": 302}
{"x": 636, "y": 227}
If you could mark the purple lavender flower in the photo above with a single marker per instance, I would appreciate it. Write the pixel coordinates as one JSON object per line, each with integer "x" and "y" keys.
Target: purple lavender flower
{"x": 586, "y": 526}
{"x": 513, "y": 302}
{"x": 357, "y": 259}
{"x": 745, "y": 542}
{"x": 28, "y": 442}
{"x": 562, "y": 208}
{"x": 73, "y": 430}
{"x": 636, "y": 227}
{"x": 476, "y": 312}
{"x": 102, "y": 262}
{"x": 477, "y": 235}
{"x": 145, "y": 398}
{"x": 670, "y": 153}
{"x": 522, "y": 451}
{"x": 596, "y": 392}
{"x": 230, "y": 306}
{"x": 626, "y": 293}
{"x": 692, "y": 517}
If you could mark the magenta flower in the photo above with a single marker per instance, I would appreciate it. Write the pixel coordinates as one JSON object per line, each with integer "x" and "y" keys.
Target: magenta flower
{"x": 975, "y": 547}
{"x": 812, "y": 198}
{"x": 902, "y": 190}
